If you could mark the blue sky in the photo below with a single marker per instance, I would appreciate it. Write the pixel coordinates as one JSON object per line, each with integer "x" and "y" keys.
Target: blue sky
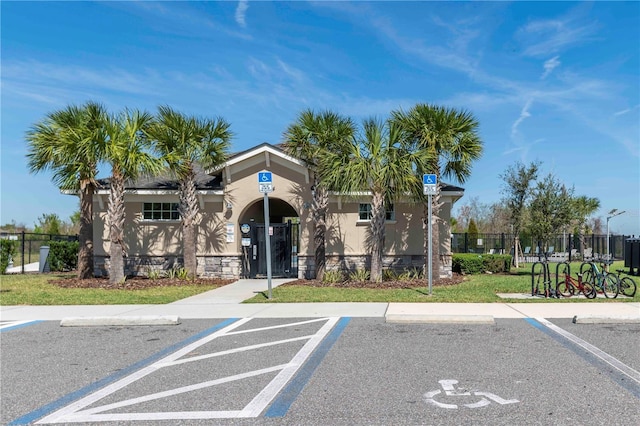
{"x": 551, "y": 81}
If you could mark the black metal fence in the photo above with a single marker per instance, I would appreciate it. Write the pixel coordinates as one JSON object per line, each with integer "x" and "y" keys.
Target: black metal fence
{"x": 570, "y": 244}
{"x": 28, "y": 246}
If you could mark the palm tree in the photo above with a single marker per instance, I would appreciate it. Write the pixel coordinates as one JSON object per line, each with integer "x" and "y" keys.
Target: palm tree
{"x": 452, "y": 141}
{"x": 583, "y": 207}
{"x": 309, "y": 139}
{"x": 71, "y": 142}
{"x": 186, "y": 144}
{"x": 379, "y": 161}
{"x": 128, "y": 154}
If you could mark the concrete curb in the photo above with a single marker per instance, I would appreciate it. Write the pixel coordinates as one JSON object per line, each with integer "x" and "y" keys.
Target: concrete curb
{"x": 606, "y": 319}
{"x": 439, "y": 319}
{"x": 119, "y": 321}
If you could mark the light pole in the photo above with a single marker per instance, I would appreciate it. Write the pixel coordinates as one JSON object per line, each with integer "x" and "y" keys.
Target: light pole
{"x": 613, "y": 213}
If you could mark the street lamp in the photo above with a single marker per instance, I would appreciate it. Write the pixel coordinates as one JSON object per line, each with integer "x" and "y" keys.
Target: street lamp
{"x": 613, "y": 213}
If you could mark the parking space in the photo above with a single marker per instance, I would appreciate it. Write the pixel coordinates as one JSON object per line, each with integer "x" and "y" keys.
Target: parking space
{"x": 321, "y": 371}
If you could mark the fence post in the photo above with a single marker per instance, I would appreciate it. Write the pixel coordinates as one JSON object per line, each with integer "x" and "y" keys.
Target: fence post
{"x": 22, "y": 267}
{"x": 466, "y": 242}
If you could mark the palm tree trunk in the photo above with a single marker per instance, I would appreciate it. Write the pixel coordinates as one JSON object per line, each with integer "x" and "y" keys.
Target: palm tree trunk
{"x": 85, "y": 235}
{"x": 116, "y": 216}
{"x": 188, "y": 214}
{"x": 377, "y": 236}
{"x": 320, "y": 201}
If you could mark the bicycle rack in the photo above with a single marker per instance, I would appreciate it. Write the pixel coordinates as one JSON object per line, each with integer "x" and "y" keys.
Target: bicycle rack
{"x": 567, "y": 270}
{"x": 535, "y": 290}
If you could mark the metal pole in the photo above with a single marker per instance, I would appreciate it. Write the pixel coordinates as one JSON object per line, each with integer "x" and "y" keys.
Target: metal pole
{"x": 430, "y": 243}
{"x": 267, "y": 239}
{"x": 22, "y": 267}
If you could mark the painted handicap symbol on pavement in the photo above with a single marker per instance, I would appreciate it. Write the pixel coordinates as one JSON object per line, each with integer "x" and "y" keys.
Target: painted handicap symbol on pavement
{"x": 451, "y": 391}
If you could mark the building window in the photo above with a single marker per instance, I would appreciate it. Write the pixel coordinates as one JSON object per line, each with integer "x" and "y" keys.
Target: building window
{"x": 364, "y": 212}
{"x": 160, "y": 211}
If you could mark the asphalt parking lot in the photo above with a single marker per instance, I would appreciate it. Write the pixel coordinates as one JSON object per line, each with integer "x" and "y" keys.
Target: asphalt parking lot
{"x": 321, "y": 371}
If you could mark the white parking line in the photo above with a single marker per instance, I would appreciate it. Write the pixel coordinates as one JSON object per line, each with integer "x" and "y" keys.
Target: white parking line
{"x": 4, "y": 325}
{"x": 77, "y": 411}
{"x": 613, "y": 362}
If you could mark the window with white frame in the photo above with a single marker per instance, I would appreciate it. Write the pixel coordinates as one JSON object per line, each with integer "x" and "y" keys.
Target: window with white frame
{"x": 160, "y": 211}
{"x": 364, "y": 212}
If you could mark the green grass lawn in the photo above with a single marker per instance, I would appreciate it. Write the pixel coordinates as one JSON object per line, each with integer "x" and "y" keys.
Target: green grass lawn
{"x": 34, "y": 289}
{"x": 475, "y": 288}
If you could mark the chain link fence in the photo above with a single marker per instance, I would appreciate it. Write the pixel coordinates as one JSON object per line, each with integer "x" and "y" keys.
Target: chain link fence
{"x": 568, "y": 245}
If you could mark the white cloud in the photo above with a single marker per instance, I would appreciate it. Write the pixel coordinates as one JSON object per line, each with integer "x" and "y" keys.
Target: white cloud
{"x": 241, "y": 12}
{"x": 550, "y": 65}
{"x": 524, "y": 114}
{"x": 546, "y": 36}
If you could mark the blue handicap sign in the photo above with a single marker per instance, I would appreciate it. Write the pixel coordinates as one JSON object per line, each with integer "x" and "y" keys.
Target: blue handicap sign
{"x": 264, "y": 177}
{"x": 429, "y": 179}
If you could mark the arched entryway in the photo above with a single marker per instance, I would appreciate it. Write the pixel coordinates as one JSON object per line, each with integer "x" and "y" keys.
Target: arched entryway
{"x": 284, "y": 236}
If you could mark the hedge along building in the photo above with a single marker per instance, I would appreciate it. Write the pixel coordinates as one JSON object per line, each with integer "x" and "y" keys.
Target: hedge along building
{"x": 231, "y": 226}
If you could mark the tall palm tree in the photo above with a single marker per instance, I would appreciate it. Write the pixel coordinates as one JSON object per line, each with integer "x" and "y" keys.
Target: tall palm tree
{"x": 187, "y": 143}
{"x": 309, "y": 139}
{"x": 70, "y": 142}
{"x": 583, "y": 207}
{"x": 380, "y": 161}
{"x": 451, "y": 138}
{"x": 128, "y": 154}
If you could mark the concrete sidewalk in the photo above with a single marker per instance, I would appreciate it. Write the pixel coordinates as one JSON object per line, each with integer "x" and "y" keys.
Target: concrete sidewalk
{"x": 225, "y": 302}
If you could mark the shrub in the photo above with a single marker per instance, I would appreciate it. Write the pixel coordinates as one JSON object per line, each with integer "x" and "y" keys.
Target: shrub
{"x": 359, "y": 275}
{"x": 7, "y": 251}
{"x": 63, "y": 255}
{"x": 333, "y": 277}
{"x": 470, "y": 264}
{"x": 389, "y": 275}
{"x": 154, "y": 274}
{"x": 410, "y": 274}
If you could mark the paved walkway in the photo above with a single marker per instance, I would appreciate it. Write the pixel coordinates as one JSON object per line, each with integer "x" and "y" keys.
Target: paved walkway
{"x": 29, "y": 267}
{"x": 225, "y": 302}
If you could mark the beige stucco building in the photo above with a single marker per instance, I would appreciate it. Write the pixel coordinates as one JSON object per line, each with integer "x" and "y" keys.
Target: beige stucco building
{"x": 231, "y": 237}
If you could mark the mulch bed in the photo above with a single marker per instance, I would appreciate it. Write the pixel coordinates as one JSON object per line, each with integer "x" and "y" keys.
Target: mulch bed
{"x": 136, "y": 283}
{"x": 140, "y": 283}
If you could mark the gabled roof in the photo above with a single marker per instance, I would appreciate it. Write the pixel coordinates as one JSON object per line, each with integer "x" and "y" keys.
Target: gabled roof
{"x": 263, "y": 153}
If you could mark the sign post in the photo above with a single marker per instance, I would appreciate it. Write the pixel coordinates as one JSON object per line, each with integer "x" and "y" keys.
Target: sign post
{"x": 430, "y": 188}
{"x": 265, "y": 185}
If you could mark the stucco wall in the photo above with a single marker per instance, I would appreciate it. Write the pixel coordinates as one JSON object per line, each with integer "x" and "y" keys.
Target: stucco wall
{"x": 157, "y": 244}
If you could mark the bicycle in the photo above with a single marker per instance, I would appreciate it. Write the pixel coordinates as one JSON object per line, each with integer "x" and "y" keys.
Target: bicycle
{"x": 570, "y": 286}
{"x": 627, "y": 285}
{"x": 603, "y": 282}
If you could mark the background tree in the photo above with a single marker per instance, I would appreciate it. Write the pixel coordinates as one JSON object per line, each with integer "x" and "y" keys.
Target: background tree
{"x": 550, "y": 209}
{"x": 128, "y": 154}
{"x": 188, "y": 145}
{"x": 378, "y": 160}
{"x": 472, "y": 230}
{"x": 71, "y": 142}
{"x": 518, "y": 180}
{"x": 48, "y": 224}
{"x": 451, "y": 139}
{"x": 310, "y": 138}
